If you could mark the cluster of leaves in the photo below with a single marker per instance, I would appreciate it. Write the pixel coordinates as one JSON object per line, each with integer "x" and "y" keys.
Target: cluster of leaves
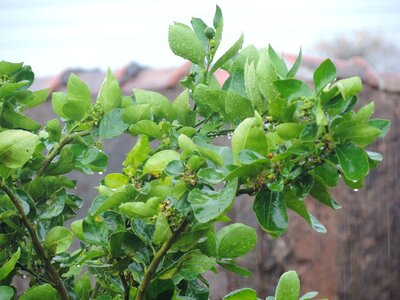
{"x": 150, "y": 233}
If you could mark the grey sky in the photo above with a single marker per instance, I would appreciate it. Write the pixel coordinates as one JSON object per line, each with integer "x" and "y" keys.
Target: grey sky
{"x": 53, "y": 35}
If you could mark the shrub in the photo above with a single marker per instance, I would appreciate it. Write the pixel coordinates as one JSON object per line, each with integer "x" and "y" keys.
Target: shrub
{"x": 150, "y": 233}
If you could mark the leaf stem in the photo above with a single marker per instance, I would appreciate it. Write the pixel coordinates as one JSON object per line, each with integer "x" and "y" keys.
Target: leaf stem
{"x": 51, "y": 272}
{"x": 144, "y": 285}
{"x": 57, "y": 149}
{"x": 33, "y": 274}
{"x": 125, "y": 285}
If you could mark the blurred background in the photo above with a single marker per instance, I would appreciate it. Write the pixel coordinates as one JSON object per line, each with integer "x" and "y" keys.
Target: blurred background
{"x": 359, "y": 257}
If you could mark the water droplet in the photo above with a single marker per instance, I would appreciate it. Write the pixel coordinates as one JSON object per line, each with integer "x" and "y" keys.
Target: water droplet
{"x": 100, "y": 173}
{"x": 78, "y": 266}
{"x": 23, "y": 276}
{"x": 100, "y": 150}
{"x": 356, "y": 190}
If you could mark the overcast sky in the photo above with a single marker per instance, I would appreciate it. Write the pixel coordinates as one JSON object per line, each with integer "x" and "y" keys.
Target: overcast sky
{"x": 53, "y": 35}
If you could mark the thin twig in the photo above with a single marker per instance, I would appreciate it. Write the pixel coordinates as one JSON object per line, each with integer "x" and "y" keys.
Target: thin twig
{"x": 51, "y": 272}
{"x": 144, "y": 285}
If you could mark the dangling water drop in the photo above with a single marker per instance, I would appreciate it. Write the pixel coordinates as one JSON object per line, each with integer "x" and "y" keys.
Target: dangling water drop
{"x": 356, "y": 190}
{"x": 100, "y": 173}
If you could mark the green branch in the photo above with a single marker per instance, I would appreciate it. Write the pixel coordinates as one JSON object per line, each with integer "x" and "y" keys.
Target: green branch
{"x": 148, "y": 275}
{"x": 57, "y": 149}
{"x": 51, "y": 272}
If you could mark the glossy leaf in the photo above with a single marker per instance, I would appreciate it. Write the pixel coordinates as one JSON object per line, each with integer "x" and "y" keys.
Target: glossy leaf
{"x": 157, "y": 163}
{"x": 162, "y": 232}
{"x": 146, "y": 127}
{"x": 249, "y": 135}
{"x": 78, "y": 103}
{"x": 242, "y": 294}
{"x": 6, "y": 293}
{"x": 353, "y": 161}
{"x": 184, "y": 43}
{"x": 291, "y": 89}
{"x": 9, "y": 265}
{"x": 210, "y": 205}
{"x": 228, "y": 54}
{"x": 288, "y": 287}
{"x": 349, "y": 87}
{"x": 182, "y": 109}
{"x": 235, "y": 240}
{"x": 115, "y": 180}
{"x": 58, "y": 240}
{"x": 270, "y": 210}
{"x": 324, "y": 74}
{"x": 112, "y": 125}
{"x": 110, "y": 96}
{"x": 16, "y": 147}
{"x": 321, "y": 193}
{"x": 45, "y": 291}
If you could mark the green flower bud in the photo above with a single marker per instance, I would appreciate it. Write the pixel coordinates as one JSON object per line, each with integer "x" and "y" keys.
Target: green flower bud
{"x": 209, "y": 32}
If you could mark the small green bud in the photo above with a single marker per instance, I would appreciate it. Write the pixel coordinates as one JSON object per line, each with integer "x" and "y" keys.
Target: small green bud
{"x": 209, "y": 33}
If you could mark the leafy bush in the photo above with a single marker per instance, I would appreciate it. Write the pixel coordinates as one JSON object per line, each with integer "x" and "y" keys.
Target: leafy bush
{"x": 150, "y": 233}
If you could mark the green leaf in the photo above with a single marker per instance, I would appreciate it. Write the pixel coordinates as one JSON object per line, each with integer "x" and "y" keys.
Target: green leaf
{"x": 270, "y": 210}
{"x": 58, "y": 100}
{"x": 182, "y": 109}
{"x": 326, "y": 173}
{"x": 157, "y": 163}
{"x": 95, "y": 231}
{"x": 309, "y": 295}
{"x": 83, "y": 286}
{"x": 228, "y": 54}
{"x": 38, "y": 98}
{"x": 53, "y": 127}
{"x": 242, "y": 294}
{"x": 6, "y": 293}
{"x": 277, "y": 62}
{"x": 353, "y": 161}
{"x": 291, "y": 89}
{"x": 288, "y": 287}
{"x": 64, "y": 163}
{"x": 365, "y": 112}
{"x": 288, "y": 131}
{"x": 232, "y": 266}
{"x": 160, "y": 105}
{"x": 252, "y": 89}
{"x": 115, "y": 180}
{"x": 382, "y": 124}
{"x": 16, "y": 147}
{"x": 58, "y": 240}
{"x": 349, "y": 87}
{"x": 236, "y": 240}
{"x": 323, "y": 75}
{"x": 298, "y": 206}
{"x": 138, "y": 153}
{"x": 111, "y": 124}
{"x": 79, "y": 103}
{"x": 8, "y": 266}
{"x": 218, "y": 23}
{"x": 250, "y": 135}
{"x": 321, "y": 193}
{"x": 292, "y": 72}
{"x": 162, "y": 232}
{"x": 211, "y": 175}
{"x": 76, "y": 228}
{"x": 266, "y": 75}
{"x": 198, "y": 27}
{"x": 113, "y": 201}
{"x": 361, "y": 134}
{"x": 110, "y": 96}
{"x": 188, "y": 146}
{"x": 136, "y": 210}
{"x": 184, "y": 43}
{"x": 135, "y": 113}
{"x": 210, "y": 205}
{"x": 146, "y": 127}
{"x": 125, "y": 243}
{"x": 13, "y": 119}
{"x": 45, "y": 291}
